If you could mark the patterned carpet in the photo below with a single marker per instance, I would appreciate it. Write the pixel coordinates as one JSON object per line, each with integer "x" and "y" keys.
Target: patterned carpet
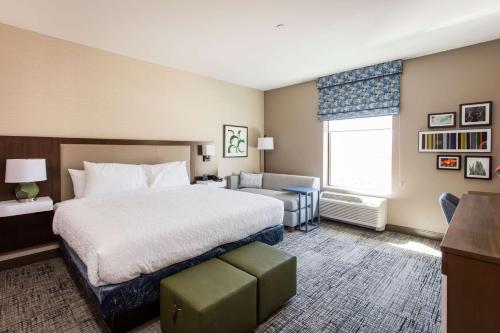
{"x": 349, "y": 280}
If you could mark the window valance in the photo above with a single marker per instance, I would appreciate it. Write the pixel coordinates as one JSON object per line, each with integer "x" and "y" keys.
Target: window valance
{"x": 365, "y": 92}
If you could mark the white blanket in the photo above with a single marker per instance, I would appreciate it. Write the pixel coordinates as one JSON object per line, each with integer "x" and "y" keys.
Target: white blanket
{"x": 121, "y": 236}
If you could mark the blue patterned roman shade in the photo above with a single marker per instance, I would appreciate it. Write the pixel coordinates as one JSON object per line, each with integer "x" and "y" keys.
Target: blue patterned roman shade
{"x": 365, "y": 92}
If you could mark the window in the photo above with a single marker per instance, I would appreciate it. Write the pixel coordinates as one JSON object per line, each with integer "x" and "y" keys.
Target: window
{"x": 361, "y": 154}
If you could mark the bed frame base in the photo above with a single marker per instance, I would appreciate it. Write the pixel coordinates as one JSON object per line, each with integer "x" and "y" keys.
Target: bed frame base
{"x": 124, "y": 321}
{"x": 117, "y": 323}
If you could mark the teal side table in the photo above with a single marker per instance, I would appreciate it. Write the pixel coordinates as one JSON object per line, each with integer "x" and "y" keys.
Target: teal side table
{"x": 306, "y": 192}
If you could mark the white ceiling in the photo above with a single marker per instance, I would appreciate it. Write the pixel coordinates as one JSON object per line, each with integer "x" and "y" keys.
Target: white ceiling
{"x": 237, "y": 41}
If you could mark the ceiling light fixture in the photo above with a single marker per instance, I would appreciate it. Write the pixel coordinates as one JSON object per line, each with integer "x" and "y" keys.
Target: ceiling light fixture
{"x": 279, "y": 26}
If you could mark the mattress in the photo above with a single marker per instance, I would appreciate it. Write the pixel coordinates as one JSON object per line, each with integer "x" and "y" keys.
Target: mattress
{"x": 121, "y": 236}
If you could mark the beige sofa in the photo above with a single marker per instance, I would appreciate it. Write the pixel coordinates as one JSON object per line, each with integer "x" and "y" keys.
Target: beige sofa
{"x": 272, "y": 186}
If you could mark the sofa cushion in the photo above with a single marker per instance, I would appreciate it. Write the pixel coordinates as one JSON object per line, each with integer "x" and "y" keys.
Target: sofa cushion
{"x": 262, "y": 191}
{"x": 290, "y": 200}
{"x": 248, "y": 180}
{"x": 274, "y": 181}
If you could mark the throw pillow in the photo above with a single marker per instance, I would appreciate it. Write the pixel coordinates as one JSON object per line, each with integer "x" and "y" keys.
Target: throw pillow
{"x": 253, "y": 180}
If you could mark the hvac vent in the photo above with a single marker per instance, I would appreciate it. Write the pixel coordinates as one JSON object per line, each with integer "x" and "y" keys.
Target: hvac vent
{"x": 355, "y": 209}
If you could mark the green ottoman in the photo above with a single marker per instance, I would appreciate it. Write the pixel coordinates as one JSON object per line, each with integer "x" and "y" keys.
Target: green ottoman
{"x": 210, "y": 297}
{"x": 275, "y": 270}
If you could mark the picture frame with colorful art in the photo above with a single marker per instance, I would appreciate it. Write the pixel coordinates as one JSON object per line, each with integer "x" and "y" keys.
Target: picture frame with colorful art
{"x": 477, "y": 167}
{"x": 235, "y": 141}
{"x": 449, "y": 162}
{"x": 459, "y": 141}
{"x": 442, "y": 120}
{"x": 475, "y": 114}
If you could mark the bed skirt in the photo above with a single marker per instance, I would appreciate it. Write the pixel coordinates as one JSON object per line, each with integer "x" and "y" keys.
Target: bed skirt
{"x": 145, "y": 289}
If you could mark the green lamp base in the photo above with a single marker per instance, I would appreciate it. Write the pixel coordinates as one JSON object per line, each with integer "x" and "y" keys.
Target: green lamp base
{"x": 26, "y": 192}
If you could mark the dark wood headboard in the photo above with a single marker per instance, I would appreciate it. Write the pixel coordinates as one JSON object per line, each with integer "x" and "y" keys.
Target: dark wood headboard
{"x": 49, "y": 148}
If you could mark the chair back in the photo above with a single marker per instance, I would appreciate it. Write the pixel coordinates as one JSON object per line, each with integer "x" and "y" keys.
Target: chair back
{"x": 449, "y": 204}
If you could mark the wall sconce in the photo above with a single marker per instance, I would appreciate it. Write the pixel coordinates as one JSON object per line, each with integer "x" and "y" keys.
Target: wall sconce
{"x": 207, "y": 150}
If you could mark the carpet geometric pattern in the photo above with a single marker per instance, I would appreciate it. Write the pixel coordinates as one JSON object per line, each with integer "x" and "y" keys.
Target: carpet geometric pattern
{"x": 349, "y": 280}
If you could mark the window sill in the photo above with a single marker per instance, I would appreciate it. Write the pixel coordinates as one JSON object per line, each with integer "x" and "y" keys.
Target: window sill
{"x": 357, "y": 191}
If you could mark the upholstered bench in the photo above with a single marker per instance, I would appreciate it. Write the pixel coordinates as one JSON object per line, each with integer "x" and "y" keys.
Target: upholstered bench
{"x": 275, "y": 270}
{"x": 210, "y": 297}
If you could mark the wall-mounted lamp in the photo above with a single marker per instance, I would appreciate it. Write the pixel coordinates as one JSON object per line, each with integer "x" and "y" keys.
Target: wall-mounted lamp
{"x": 207, "y": 150}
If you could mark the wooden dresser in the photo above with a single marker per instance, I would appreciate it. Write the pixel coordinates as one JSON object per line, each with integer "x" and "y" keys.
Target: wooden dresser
{"x": 471, "y": 266}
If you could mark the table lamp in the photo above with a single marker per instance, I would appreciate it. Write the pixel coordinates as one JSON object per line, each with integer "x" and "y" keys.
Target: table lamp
{"x": 25, "y": 172}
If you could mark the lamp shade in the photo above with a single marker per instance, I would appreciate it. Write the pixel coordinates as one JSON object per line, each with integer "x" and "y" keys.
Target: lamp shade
{"x": 265, "y": 143}
{"x": 25, "y": 170}
{"x": 208, "y": 150}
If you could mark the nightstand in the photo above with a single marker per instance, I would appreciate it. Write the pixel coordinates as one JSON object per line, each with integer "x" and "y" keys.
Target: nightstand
{"x": 24, "y": 226}
{"x": 212, "y": 183}
{"x": 13, "y": 207}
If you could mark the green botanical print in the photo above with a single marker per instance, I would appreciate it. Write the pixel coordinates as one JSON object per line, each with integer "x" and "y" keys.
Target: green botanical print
{"x": 236, "y": 142}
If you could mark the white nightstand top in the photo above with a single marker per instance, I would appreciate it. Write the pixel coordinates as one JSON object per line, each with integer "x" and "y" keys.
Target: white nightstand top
{"x": 13, "y": 207}
{"x": 212, "y": 183}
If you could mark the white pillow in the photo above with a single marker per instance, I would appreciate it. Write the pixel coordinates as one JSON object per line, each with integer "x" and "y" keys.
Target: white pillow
{"x": 166, "y": 174}
{"x": 106, "y": 178}
{"x": 78, "y": 179}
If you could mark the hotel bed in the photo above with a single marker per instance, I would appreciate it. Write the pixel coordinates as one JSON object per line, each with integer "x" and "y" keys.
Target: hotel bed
{"x": 122, "y": 245}
{"x": 119, "y": 246}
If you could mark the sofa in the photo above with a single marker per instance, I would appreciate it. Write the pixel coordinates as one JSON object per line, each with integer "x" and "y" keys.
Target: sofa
{"x": 272, "y": 186}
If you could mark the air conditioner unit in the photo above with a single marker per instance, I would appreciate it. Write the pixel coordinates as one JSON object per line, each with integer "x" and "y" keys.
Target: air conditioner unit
{"x": 360, "y": 210}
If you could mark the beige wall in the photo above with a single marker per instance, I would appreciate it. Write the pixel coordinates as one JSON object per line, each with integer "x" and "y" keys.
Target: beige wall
{"x": 435, "y": 83}
{"x": 51, "y": 87}
{"x": 290, "y": 118}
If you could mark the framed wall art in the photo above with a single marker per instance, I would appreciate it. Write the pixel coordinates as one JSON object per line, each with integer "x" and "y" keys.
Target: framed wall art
{"x": 235, "y": 141}
{"x": 475, "y": 114}
{"x": 449, "y": 162}
{"x": 477, "y": 167}
{"x": 442, "y": 120}
{"x": 466, "y": 141}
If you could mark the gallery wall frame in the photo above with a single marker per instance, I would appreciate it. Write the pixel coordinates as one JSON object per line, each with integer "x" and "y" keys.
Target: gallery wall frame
{"x": 463, "y": 141}
{"x": 442, "y": 120}
{"x": 478, "y": 167}
{"x": 475, "y": 114}
{"x": 449, "y": 162}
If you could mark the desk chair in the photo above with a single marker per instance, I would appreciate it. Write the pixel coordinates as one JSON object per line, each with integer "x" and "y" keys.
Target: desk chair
{"x": 449, "y": 204}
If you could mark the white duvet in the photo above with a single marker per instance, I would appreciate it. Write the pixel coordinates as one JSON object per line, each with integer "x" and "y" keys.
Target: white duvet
{"x": 121, "y": 236}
